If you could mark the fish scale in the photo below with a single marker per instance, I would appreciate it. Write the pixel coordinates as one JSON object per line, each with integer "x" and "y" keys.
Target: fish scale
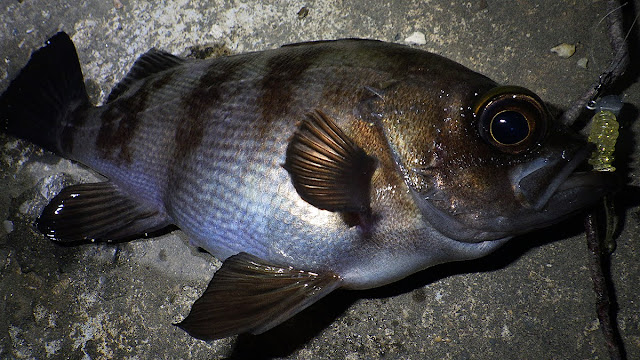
{"x": 226, "y": 197}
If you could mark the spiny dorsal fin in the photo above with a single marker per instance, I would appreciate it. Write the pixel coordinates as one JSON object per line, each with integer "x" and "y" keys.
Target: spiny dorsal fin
{"x": 327, "y": 168}
{"x": 151, "y": 62}
{"x": 96, "y": 212}
{"x": 248, "y": 294}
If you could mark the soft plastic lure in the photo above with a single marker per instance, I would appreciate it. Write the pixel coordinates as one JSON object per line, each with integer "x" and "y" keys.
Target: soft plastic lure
{"x": 604, "y": 132}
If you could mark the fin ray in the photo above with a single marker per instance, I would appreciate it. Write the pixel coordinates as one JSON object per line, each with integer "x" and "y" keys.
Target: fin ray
{"x": 98, "y": 212}
{"x": 149, "y": 63}
{"x": 327, "y": 168}
{"x": 248, "y": 294}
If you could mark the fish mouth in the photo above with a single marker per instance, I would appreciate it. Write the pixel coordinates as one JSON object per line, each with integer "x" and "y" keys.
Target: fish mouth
{"x": 554, "y": 187}
{"x": 580, "y": 190}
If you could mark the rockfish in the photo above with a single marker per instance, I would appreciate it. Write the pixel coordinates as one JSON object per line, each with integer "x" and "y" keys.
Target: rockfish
{"x": 349, "y": 163}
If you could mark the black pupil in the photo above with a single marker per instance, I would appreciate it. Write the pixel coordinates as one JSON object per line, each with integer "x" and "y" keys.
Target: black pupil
{"x": 509, "y": 127}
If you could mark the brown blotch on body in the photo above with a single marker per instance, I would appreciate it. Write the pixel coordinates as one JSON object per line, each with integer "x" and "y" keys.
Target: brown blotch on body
{"x": 283, "y": 72}
{"x": 206, "y": 95}
{"x": 120, "y": 121}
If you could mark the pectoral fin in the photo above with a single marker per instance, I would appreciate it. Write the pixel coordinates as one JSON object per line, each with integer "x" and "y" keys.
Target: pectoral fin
{"x": 98, "y": 212}
{"x": 328, "y": 170}
{"x": 248, "y": 294}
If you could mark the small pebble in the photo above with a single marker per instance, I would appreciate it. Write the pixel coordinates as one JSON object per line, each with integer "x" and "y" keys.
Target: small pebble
{"x": 303, "y": 13}
{"x": 417, "y": 38}
{"x": 582, "y": 62}
{"x": 564, "y": 50}
{"x": 8, "y": 226}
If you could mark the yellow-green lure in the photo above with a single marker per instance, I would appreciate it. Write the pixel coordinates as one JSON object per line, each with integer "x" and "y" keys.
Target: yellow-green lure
{"x": 604, "y": 132}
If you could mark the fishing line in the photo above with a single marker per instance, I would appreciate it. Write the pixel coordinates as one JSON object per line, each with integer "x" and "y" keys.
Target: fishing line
{"x": 594, "y": 28}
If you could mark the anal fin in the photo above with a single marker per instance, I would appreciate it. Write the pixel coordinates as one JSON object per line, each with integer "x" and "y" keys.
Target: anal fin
{"x": 329, "y": 170}
{"x": 248, "y": 294}
{"x": 97, "y": 212}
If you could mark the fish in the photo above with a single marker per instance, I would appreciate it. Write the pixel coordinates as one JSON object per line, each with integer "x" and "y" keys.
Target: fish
{"x": 331, "y": 164}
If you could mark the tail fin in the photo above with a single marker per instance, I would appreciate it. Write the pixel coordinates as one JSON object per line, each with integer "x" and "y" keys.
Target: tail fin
{"x": 46, "y": 96}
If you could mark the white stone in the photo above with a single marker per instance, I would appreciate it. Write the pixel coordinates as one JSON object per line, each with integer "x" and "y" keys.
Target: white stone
{"x": 417, "y": 38}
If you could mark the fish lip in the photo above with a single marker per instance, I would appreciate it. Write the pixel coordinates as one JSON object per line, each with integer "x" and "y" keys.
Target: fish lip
{"x": 565, "y": 174}
{"x": 528, "y": 185}
{"x": 591, "y": 179}
{"x": 591, "y": 184}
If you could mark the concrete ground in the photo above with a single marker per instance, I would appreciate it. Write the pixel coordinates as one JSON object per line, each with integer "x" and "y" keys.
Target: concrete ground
{"x": 531, "y": 300}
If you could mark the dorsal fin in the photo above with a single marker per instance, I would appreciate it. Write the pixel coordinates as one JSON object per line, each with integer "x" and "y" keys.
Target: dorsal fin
{"x": 151, "y": 62}
{"x": 313, "y": 42}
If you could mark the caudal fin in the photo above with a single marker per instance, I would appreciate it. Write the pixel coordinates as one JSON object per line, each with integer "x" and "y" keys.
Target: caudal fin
{"x": 46, "y": 96}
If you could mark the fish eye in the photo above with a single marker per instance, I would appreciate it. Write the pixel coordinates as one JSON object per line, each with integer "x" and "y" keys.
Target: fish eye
{"x": 509, "y": 127}
{"x": 511, "y": 118}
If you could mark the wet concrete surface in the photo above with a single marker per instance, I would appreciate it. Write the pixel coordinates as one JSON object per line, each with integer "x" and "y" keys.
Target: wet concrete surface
{"x": 533, "y": 299}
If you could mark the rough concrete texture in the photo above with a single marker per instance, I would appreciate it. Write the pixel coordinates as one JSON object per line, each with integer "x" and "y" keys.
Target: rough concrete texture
{"x": 531, "y": 300}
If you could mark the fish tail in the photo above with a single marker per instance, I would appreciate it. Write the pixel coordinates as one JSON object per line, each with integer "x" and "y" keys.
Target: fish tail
{"x": 47, "y": 96}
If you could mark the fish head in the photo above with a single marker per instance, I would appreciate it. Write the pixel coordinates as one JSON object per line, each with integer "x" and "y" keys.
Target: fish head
{"x": 486, "y": 162}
